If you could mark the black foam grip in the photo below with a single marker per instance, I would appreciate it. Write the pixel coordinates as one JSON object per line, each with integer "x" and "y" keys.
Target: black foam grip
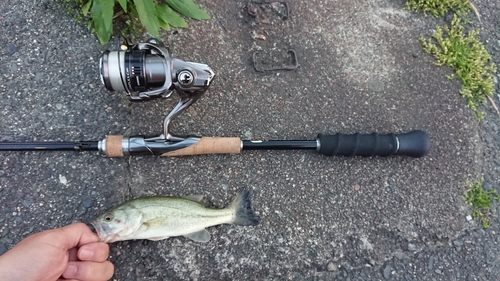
{"x": 414, "y": 144}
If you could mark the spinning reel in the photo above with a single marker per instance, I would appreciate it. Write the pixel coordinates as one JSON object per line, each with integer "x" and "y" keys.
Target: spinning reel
{"x": 145, "y": 71}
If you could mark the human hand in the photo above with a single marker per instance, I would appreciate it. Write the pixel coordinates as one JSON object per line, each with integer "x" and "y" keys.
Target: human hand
{"x": 72, "y": 252}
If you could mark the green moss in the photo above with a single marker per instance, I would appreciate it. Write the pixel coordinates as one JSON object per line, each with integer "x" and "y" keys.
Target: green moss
{"x": 439, "y": 7}
{"x": 468, "y": 57}
{"x": 480, "y": 200}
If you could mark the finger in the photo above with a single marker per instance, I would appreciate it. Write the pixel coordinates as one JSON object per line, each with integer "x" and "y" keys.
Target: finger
{"x": 97, "y": 252}
{"x": 77, "y": 234}
{"x": 64, "y": 279}
{"x": 73, "y": 254}
{"x": 73, "y": 279}
{"x": 89, "y": 271}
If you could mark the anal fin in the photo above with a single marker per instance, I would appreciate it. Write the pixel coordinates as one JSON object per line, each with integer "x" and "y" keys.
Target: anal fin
{"x": 199, "y": 236}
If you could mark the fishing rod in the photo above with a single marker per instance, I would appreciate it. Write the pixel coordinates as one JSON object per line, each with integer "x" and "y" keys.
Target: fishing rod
{"x": 146, "y": 71}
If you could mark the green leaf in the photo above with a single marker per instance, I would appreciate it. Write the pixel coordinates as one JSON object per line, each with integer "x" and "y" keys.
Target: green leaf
{"x": 169, "y": 16}
{"x": 123, "y": 4}
{"x": 148, "y": 16}
{"x": 188, "y": 8}
{"x": 164, "y": 24}
{"x": 102, "y": 15}
{"x": 132, "y": 11}
{"x": 86, "y": 7}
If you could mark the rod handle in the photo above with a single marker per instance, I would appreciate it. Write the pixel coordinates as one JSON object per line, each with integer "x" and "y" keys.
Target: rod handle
{"x": 113, "y": 146}
{"x": 119, "y": 146}
{"x": 209, "y": 145}
{"x": 413, "y": 144}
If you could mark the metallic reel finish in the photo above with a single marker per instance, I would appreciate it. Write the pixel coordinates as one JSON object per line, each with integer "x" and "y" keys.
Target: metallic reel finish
{"x": 143, "y": 71}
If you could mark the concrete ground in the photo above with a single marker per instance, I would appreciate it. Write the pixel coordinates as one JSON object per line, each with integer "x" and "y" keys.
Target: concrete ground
{"x": 362, "y": 69}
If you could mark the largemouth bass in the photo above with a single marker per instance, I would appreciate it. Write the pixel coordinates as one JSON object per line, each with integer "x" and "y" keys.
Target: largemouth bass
{"x": 157, "y": 218}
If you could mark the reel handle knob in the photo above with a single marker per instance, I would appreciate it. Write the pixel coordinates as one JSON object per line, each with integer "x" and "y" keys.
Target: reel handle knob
{"x": 413, "y": 144}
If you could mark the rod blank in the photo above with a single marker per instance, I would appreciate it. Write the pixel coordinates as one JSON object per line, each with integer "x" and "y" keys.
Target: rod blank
{"x": 53, "y": 146}
{"x": 279, "y": 144}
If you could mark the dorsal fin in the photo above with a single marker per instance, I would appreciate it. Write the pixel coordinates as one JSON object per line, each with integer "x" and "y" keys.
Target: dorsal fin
{"x": 202, "y": 199}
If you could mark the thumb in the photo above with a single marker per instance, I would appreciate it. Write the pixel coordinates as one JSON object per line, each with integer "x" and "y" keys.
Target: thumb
{"x": 76, "y": 235}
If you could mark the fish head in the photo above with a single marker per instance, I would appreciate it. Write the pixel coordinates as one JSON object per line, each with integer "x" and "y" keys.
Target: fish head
{"x": 117, "y": 224}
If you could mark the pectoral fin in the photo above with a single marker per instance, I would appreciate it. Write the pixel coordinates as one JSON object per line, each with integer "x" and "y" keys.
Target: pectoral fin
{"x": 200, "y": 236}
{"x": 151, "y": 225}
{"x": 155, "y": 223}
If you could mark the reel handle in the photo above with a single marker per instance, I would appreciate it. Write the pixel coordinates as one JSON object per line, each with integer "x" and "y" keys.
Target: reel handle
{"x": 413, "y": 144}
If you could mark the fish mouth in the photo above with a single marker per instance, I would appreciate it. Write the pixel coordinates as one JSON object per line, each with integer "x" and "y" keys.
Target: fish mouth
{"x": 97, "y": 227}
{"x": 103, "y": 231}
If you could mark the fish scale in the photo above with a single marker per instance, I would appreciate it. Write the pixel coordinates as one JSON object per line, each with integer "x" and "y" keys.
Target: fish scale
{"x": 182, "y": 217}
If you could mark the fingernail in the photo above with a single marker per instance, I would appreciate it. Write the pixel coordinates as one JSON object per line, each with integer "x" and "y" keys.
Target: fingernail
{"x": 70, "y": 271}
{"x": 86, "y": 254}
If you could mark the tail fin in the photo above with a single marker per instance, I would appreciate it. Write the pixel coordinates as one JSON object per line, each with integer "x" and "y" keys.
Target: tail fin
{"x": 244, "y": 215}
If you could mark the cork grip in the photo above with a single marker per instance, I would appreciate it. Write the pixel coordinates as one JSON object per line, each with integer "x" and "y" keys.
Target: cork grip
{"x": 114, "y": 146}
{"x": 209, "y": 145}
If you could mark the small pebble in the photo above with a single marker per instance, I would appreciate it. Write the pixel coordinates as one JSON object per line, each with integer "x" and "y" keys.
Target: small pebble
{"x": 87, "y": 203}
{"x": 248, "y": 135}
{"x": 27, "y": 202}
{"x": 387, "y": 272}
{"x": 63, "y": 180}
{"x": 39, "y": 76}
{"x": 13, "y": 68}
{"x": 12, "y": 48}
{"x": 332, "y": 267}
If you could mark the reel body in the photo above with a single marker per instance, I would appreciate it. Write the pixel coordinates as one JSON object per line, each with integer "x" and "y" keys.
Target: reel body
{"x": 146, "y": 71}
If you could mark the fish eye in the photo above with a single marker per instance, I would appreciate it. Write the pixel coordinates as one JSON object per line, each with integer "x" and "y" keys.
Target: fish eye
{"x": 108, "y": 217}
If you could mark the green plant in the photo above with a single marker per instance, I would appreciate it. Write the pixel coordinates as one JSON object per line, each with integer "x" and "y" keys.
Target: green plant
{"x": 480, "y": 200}
{"x": 152, "y": 14}
{"x": 468, "y": 57}
{"x": 439, "y": 7}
